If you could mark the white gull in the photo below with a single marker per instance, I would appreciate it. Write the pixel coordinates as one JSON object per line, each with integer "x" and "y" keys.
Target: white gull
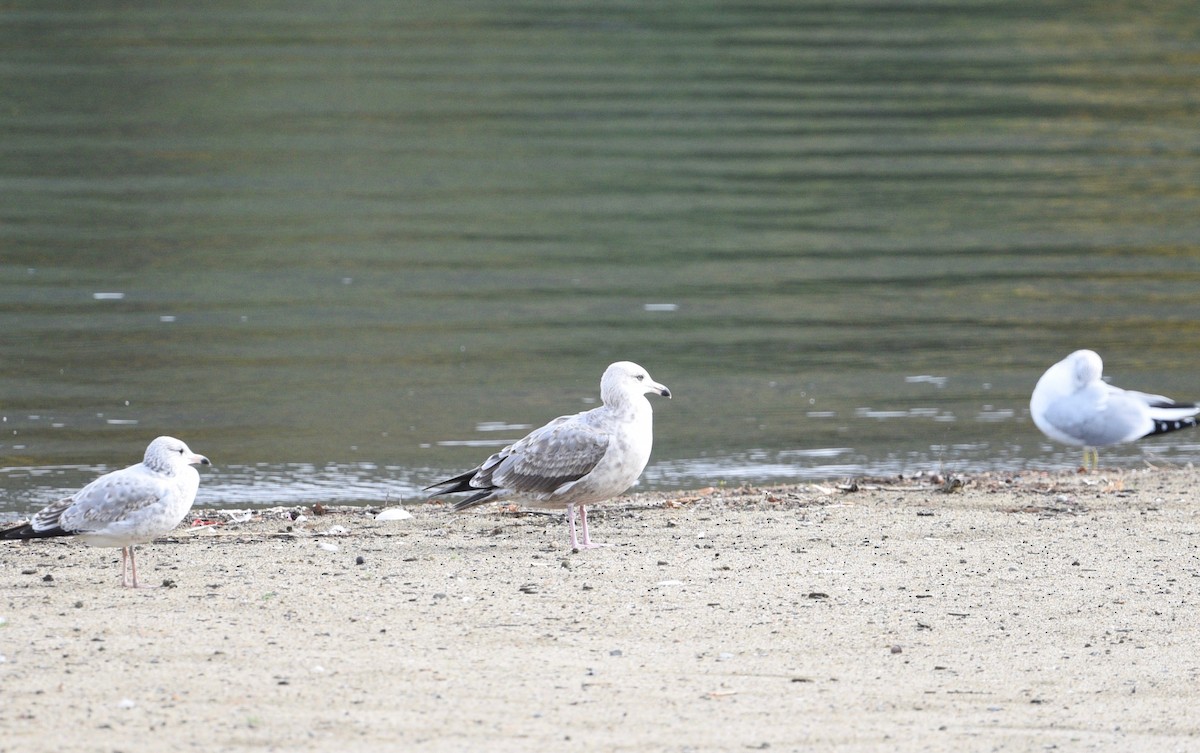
{"x": 574, "y": 460}
{"x": 1073, "y": 405}
{"x": 125, "y": 507}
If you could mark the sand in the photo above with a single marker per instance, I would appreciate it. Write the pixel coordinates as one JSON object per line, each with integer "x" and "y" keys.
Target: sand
{"x": 1013, "y": 613}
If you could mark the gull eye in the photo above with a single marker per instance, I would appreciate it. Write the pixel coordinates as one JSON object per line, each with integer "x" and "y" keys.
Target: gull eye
{"x": 640, "y": 377}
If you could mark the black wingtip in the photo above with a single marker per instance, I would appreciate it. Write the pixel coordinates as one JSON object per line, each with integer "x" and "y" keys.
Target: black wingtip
{"x": 27, "y": 531}
{"x": 1163, "y": 426}
{"x": 460, "y": 483}
{"x": 474, "y": 499}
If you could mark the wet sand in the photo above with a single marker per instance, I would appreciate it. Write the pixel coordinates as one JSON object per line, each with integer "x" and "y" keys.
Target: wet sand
{"x": 1013, "y": 613}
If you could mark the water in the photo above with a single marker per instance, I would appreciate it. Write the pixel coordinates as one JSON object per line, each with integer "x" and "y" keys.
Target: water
{"x": 345, "y": 249}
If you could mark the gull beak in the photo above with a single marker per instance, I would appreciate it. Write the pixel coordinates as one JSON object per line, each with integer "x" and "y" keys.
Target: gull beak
{"x": 195, "y": 459}
{"x": 659, "y": 388}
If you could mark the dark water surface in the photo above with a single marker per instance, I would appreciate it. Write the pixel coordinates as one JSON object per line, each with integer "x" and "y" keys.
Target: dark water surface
{"x": 345, "y": 248}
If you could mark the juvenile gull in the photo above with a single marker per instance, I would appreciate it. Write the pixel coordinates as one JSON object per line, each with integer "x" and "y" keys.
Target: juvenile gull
{"x": 1073, "y": 405}
{"x": 574, "y": 460}
{"x": 125, "y": 507}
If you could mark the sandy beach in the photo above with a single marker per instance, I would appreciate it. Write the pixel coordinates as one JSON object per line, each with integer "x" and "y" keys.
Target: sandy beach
{"x": 1009, "y": 613}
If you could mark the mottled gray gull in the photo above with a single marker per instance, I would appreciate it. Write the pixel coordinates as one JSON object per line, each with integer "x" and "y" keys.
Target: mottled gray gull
{"x": 1073, "y": 405}
{"x": 574, "y": 460}
{"x": 125, "y": 507}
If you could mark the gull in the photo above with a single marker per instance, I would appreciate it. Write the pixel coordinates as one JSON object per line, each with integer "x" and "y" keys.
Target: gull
{"x": 125, "y": 507}
{"x": 574, "y": 460}
{"x": 1073, "y": 405}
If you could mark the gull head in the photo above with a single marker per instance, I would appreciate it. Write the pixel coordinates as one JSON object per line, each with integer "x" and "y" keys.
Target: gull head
{"x": 1086, "y": 367}
{"x": 624, "y": 380}
{"x": 168, "y": 454}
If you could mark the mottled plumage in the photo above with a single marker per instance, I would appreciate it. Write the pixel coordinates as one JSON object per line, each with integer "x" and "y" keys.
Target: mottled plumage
{"x": 1073, "y": 405}
{"x": 574, "y": 460}
{"x": 125, "y": 507}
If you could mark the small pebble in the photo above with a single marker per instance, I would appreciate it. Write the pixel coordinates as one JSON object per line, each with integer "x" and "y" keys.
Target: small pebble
{"x": 360, "y": 560}
{"x": 48, "y": 578}
{"x": 896, "y": 650}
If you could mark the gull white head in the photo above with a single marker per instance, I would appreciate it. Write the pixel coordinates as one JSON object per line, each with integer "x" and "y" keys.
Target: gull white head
{"x": 625, "y": 380}
{"x": 168, "y": 455}
{"x": 1086, "y": 367}
{"x": 1067, "y": 377}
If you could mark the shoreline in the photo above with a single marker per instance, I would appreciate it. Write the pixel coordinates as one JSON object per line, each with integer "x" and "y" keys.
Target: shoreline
{"x": 1012, "y": 612}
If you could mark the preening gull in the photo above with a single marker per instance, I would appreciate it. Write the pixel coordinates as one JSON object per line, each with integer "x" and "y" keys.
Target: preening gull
{"x": 125, "y": 507}
{"x": 1073, "y": 405}
{"x": 574, "y": 460}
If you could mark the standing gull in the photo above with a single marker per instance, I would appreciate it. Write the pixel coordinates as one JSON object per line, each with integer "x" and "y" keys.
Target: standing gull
{"x": 1073, "y": 405}
{"x": 125, "y": 507}
{"x": 574, "y": 460}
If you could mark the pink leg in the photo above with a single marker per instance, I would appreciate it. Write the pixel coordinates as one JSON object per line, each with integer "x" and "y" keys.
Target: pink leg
{"x": 571, "y": 527}
{"x": 127, "y": 554}
{"x": 587, "y": 540}
{"x": 133, "y": 566}
{"x": 124, "y": 561}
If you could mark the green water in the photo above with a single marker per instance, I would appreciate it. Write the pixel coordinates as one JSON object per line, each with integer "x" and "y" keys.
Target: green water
{"x": 332, "y": 246}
